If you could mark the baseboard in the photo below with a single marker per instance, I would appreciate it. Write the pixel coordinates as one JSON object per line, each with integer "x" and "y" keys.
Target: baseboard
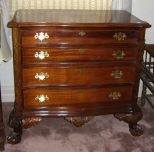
{"x": 7, "y": 93}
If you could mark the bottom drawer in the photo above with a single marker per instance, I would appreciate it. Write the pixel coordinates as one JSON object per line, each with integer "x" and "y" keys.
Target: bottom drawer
{"x": 51, "y": 97}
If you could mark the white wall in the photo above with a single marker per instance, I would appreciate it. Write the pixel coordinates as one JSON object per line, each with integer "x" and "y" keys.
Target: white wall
{"x": 7, "y": 81}
{"x": 144, "y": 9}
{"x": 141, "y": 8}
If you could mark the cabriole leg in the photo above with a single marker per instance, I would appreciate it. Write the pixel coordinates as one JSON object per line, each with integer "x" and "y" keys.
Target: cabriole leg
{"x": 16, "y": 123}
{"x": 132, "y": 119}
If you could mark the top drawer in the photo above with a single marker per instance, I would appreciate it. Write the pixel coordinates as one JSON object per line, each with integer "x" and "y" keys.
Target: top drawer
{"x": 68, "y": 37}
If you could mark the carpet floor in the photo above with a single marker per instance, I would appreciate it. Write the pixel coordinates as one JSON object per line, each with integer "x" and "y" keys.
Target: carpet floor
{"x": 101, "y": 134}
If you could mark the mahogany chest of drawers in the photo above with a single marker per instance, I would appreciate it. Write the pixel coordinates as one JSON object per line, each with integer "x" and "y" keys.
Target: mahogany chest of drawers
{"x": 75, "y": 64}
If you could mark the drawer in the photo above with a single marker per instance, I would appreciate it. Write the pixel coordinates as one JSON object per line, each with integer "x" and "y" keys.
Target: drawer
{"x": 67, "y": 37}
{"x": 51, "y": 97}
{"x": 77, "y": 75}
{"x": 46, "y": 55}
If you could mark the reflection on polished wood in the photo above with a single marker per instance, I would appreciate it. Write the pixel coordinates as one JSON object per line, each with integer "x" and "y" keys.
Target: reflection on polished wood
{"x": 61, "y": 17}
{"x": 75, "y": 64}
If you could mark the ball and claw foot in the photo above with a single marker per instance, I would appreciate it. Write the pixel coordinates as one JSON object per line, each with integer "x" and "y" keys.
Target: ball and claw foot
{"x": 18, "y": 123}
{"x": 136, "y": 130}
{"x": 132, "y": 119}
{"x": 14, "y": 138}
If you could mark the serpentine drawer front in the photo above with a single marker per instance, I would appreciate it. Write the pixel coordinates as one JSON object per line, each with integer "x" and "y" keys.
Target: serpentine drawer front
{"x": 47, "y": 55}
{"x": 45, "y": 37}
{"x": 82, "y": 75}
{"x": 43, "y": 98}
{"x": 75, "y": 68}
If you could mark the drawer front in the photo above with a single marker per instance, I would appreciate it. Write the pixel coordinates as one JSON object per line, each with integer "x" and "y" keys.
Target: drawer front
{"x": 65, "y": 76}
{"x": 33, "y": 98}
{"x": 52, "y": 37}
{"x": 38, "y": 55}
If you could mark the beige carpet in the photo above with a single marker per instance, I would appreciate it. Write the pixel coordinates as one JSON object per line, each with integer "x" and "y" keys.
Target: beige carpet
{"x": 101, "y": 134}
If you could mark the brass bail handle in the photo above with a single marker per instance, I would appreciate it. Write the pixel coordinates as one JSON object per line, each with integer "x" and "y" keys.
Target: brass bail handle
{"x": 82, "y": 33}
{"x": 115, "y": 95}
{"x": 41, "y": 55}
{"x": 120, "y": 36}
{"x": 41, "y": 76}
{"x": 117, "y": 74}
{"x": 41, "y": 36}
{"x": 118, "y": 54}
{"x": 41, "y": 98}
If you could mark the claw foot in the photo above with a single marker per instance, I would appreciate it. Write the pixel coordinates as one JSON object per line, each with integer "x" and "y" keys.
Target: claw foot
{"x": 136, "y": 130}
{"x": 132, "y": 119}
{"x": 14, "y": 138}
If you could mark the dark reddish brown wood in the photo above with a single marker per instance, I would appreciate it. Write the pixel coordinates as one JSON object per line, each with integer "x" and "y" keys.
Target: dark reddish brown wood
{"x": 83, "y": 55}
{"x": 84, "y": 109}
{"x": 66, "y": 37}
{"x": 16, "y": 123}
{"x": 76, "y": 18}
{"x": 78, "y": 54}
{"x": 73, "y": 96}
{"x": 15, "y": 119}
{"x": 132, "y": 119}
{"x": 17, "y": 71}
{"x": 77, "y": 75}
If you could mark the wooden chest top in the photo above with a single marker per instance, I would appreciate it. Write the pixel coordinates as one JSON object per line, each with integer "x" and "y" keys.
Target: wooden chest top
{"x": 103, "y": 18}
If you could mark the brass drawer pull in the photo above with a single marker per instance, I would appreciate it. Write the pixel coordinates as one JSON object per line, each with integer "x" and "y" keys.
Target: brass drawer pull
{"x": 117, "y": 74}
{"x": 120, "y": 36}
{"x": 82, "y": 51}
{"x": 41, "y": 36}
{"x": 115, "y": 95}
{"x": 81, "y": 71}
{"x": 41, "y": 76}
{"x": 41, "y": 98}
{"x": 118, "y": 54}
{"x": 82, "y": 33}
{"x": 41, "y": 55}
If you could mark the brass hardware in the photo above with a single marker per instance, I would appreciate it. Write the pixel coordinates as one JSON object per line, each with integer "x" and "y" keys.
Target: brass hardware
{"x": 82, "y": 51}
{"x": 81, "y": 71}
{"x": 117, "y": 74}
{"x": 120, "y": 36}
{"x": 82, "y": 33}
{"x": 41, "y": 36}
{"x": 41, "y": 98}
{"x": 41, "y": 55}
{"x": 115, "y": 95}
{"x": 118, "y": 54}
{"x": 41, "y": 76}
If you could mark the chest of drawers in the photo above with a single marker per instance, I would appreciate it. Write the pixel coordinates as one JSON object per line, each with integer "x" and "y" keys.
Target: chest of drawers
{"x": 76, "y": 64}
